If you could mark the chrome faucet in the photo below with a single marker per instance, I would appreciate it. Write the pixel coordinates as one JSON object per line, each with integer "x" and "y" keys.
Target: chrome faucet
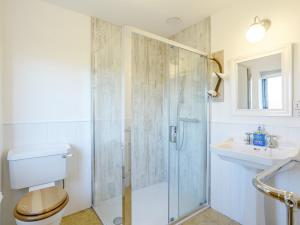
{"x": 272, "y": 141}
{"x": 247, "y": 139}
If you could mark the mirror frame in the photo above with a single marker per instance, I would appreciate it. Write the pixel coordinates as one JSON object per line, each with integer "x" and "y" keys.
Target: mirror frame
{"x": 287, "y": 71}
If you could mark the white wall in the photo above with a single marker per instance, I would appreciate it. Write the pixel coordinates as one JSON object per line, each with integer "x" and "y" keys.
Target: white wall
{"x": 228, "y": 33}
{"x": 47, "y": 89}
{"x": 1, "y": 78}
{"x": 47, "y": 63}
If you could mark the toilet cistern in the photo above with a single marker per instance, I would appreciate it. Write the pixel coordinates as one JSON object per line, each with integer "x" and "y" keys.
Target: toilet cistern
{"x": 38, "y": 167}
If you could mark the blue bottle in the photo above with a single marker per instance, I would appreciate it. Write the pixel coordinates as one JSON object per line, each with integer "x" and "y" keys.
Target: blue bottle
{"x": 259, "y": 137}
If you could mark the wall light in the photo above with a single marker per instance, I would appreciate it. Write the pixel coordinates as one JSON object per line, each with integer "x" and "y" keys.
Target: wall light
{"x": 257, "y": 30}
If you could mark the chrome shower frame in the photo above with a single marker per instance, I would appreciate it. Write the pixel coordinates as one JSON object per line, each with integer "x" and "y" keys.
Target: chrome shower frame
{"x": 126, "y": 41}
{"x": 127, "y": 32}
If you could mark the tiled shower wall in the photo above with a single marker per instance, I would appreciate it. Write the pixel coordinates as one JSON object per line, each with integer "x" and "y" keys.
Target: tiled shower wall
{"x": 149, "y": 111}
{"x": 196, "y": 36}
{"x": 148, "y": 147}
{"x": 150, "y": 128}
{"x": 107, "y": 103}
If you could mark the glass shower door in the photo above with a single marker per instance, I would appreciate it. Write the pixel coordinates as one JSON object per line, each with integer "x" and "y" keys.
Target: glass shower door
{"x": 149, "y": 128}
{"x": 168, "y": 134}
{"x": 188, "y": 153}
{"x": 149, "y": 132}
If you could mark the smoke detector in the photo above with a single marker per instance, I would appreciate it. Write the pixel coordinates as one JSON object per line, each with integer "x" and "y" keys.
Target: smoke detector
{"x": 174, "y": 20}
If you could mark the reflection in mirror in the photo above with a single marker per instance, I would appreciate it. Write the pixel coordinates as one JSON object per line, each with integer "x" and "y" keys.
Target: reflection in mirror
{"x": 260, "y": 83}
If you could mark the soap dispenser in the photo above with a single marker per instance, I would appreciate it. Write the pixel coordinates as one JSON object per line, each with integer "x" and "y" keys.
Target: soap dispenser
{"x": 259, "y": 137}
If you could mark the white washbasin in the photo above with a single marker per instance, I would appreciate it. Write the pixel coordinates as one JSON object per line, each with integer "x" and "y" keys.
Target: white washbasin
{"x": 253, "y": 156}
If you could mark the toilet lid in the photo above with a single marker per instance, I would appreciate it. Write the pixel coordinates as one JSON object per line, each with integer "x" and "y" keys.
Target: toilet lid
{"x": 41, "y": 201}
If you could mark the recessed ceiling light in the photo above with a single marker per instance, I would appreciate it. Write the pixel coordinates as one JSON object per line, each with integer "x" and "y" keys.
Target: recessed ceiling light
{"x": 173, "y": 20}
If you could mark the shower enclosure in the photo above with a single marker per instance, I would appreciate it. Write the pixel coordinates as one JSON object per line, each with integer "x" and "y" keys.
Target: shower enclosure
{"x": 149, "y": 127}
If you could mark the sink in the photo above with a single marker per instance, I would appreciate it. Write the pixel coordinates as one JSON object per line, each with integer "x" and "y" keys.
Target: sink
{"x": 253, "y": 160}
{"x": 253, "y": 156}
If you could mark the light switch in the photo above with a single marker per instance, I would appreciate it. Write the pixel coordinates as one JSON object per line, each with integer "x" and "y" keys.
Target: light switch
{"x": 297, "y": 108}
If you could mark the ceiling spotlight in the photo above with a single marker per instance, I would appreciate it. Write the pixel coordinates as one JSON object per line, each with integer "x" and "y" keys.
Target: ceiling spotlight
{"x": 257, "y": 31}
{"x": 174, "y": 21}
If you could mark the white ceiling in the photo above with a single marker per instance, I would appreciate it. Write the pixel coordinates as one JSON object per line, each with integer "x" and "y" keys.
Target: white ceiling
{"x": 148, "y": 15}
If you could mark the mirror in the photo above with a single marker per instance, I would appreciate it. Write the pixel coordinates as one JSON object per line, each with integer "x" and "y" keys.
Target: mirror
{"x": 263, "y": 84}
{"x": 260, "y": 83}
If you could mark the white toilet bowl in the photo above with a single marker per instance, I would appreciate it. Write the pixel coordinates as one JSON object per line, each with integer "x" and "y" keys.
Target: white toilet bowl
{"x": 53, "y": 220}
{"x": 42, "y": 207}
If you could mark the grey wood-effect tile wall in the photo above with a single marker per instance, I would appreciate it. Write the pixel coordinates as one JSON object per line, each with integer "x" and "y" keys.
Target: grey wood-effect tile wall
{"x": 152, "y": 69}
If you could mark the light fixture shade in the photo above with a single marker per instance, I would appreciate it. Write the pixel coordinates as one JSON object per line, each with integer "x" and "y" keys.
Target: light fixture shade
{"x": 256, "y": 33}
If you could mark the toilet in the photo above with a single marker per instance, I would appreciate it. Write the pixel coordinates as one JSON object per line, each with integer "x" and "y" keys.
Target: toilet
{"x": 38, "y": 168}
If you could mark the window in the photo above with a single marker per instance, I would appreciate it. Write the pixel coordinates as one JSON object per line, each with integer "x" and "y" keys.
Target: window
{"x": 271, "y": 90}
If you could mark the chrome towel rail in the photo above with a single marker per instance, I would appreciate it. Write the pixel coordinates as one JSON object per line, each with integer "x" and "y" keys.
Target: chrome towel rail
{"x": 290, "y": 199}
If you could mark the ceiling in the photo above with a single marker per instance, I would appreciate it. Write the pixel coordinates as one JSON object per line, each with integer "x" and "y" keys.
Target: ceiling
{"x": 149, "y": 15}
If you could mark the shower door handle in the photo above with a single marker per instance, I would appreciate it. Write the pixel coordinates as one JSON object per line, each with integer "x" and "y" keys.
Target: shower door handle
{"x": 172, "y": 134}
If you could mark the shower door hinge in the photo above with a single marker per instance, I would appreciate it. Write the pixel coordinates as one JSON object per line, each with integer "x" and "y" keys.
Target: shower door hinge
{"x": 172, "y": 134}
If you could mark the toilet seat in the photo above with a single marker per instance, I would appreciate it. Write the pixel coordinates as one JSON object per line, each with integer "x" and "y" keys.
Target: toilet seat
{"x": 41, "y": 204}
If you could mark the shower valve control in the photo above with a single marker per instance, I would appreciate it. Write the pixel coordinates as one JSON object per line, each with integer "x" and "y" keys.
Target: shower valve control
{"x": 172, "y": 134}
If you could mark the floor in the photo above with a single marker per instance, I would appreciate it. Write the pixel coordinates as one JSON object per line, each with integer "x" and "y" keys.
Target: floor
{"x": 144, "y": 205}
{"x": 208, "y": 217}
{"x": 110, "y": 209}
{"x": 85, "y": 217}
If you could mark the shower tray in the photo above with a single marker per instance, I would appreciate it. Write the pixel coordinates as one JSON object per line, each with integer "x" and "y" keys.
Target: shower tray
{"x": 289, "y": 198}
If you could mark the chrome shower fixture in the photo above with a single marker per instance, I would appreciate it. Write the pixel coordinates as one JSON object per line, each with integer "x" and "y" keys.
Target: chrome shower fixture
{"x": 221, "y": 76}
